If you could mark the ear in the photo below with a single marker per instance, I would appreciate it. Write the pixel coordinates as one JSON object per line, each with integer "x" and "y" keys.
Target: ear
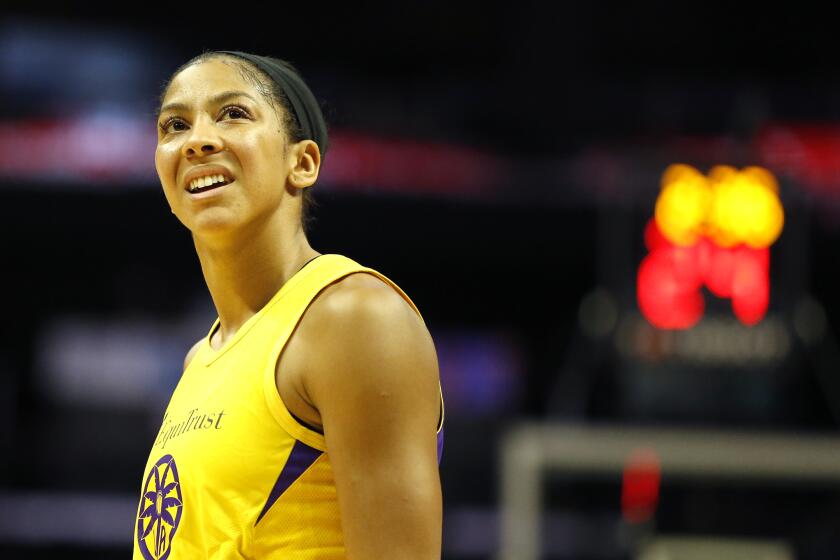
{"x": 305, "y": 158}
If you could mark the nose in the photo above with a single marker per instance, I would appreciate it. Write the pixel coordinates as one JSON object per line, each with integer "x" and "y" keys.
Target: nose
{"x": 202, "y": 140}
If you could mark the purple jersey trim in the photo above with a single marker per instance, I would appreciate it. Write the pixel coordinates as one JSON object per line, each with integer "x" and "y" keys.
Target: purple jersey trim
{"x": 300, "y": 459}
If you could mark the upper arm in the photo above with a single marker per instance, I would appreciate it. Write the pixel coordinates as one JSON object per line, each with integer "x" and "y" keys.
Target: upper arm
{"x": 375, "y": 384}
{"x": 191, "y": 354}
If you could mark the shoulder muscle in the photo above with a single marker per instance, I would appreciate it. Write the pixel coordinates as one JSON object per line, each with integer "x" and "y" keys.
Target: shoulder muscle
{"x": 364, "y": 324}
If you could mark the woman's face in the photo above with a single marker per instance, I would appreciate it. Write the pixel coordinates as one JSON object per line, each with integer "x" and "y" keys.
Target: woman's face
{"x": 215, "y": 122}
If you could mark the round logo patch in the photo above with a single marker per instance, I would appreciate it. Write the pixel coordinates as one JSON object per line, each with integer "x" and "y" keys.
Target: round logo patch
{"x": 160, "y": 510}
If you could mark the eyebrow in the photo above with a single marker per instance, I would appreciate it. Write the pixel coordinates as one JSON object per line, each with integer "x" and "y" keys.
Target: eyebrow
{"x": 215, "y": 100}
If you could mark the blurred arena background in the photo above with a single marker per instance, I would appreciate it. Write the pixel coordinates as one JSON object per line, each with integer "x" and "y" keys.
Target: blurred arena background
{"x": 639, "y": 361}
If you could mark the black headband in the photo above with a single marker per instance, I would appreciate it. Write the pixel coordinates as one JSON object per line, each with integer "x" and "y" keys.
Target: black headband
{"x": 305, "y": 108}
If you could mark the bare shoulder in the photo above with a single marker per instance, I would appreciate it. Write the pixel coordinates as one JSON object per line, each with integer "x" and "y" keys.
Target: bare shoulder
{"x": 365, "y": 322}
{"x": 192, "y": 352}
{"x": 364, "y": 301}
{"x": 360, "y": 288}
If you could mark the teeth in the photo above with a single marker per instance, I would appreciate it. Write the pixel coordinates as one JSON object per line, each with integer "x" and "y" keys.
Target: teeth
{"x": 202, "y": 182}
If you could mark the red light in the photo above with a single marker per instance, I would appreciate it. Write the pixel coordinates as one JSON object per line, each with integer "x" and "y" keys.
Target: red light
{"x": 750, "y": 287}
{"x": 640, "y": 486}
{"x": 654, "y": 239}
{"x": 721, "y": 271}
{"x": 668, "y": 293}
{"x": 670, "y": 277}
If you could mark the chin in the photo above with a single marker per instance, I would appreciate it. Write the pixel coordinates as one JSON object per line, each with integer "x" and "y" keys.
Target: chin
{"x": 212, "y": 224}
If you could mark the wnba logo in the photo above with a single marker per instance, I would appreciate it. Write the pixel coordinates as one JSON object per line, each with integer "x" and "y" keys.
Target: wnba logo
{"x": 160, "y": 510}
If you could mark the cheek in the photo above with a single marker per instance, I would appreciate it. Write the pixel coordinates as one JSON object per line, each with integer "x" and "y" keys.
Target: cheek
{"x": 268, "y": 158}
{"x": 165, "y": 164}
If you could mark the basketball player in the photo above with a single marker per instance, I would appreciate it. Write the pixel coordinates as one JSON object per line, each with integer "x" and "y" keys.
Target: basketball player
{"x": 308, "y": 422}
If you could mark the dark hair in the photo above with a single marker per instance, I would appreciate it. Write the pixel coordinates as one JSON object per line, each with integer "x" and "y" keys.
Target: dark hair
{"x": 273, "y": 93}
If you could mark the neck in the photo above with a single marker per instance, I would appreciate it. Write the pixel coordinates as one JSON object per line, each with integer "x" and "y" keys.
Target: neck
{"x": 243, "y": 274}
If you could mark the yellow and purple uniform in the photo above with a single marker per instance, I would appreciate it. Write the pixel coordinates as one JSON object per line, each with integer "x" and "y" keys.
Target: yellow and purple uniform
{"x": 232, "y": 474}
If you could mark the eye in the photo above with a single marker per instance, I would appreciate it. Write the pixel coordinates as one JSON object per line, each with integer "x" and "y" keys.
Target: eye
{"x": 168, "y": 124}
{"x": 235, "y": 112}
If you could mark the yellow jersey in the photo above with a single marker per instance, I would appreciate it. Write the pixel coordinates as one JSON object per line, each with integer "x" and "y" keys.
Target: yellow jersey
{"x": 232, "y": 473}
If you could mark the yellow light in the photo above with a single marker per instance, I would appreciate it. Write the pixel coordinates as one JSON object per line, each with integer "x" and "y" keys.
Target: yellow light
{"x": 745, "y": 207}
{"x": 683, "y": 204}
{"x": 730, "y": 206}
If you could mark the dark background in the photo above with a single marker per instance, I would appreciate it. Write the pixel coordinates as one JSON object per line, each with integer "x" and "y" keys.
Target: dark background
{"x": 565, "y": 116}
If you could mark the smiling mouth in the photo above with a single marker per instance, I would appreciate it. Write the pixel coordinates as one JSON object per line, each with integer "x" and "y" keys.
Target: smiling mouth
{"x": 209, "y": 187}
